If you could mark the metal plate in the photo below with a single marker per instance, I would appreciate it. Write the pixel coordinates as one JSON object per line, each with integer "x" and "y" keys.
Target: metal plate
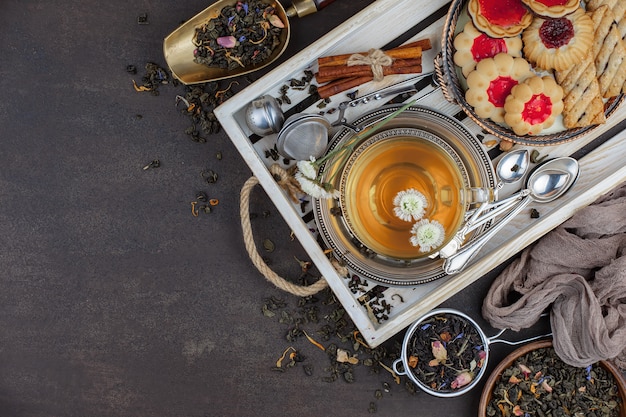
{"x": 336, "y": 234}
{"x": 452, "y": 84}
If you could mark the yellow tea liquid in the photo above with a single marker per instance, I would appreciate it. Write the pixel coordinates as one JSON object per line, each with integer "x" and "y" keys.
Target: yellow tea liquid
{"x": 384, "y": 169}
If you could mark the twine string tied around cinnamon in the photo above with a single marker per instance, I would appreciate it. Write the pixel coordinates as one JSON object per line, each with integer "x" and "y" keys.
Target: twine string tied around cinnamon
{"x": 376, "y": 58}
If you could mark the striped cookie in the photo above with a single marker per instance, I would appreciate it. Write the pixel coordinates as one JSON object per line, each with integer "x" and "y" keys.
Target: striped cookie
{"x": 582, "y": 102}
{"x": 608, "y": 52}
{"x": 618, "y": 7}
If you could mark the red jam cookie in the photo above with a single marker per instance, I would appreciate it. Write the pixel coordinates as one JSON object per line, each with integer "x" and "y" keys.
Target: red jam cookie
{"x": 491, "y": 82}
{"x": 552, "y": 8}
{"x": 472, "y": 46}
{"x": 500, "y": 18}
{"x": 558, "y": 43}
{"x": 533, "y": 105}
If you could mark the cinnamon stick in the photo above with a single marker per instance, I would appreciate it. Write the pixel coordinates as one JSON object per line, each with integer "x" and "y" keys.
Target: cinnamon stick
{"x": 400, "y": 52}
{"x": 343, "y": 84}
{"x": 333, "y": 72}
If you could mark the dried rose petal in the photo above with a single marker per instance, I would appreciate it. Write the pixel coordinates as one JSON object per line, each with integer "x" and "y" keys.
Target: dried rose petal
{"x": 545, "y": 386}
{"x": 413, "y": 360}
{"x": 482, "y": 355}
{"x": 227, "y": 41}
{"x": 525, "y": 370}
{"x": 517, "y": 410}
{"x": 276, "y": 22}
{"x": 439, "y": 351}
{"x": 461, "y": 380}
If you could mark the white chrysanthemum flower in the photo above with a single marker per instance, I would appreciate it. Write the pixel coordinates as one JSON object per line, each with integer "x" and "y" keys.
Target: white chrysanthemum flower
{"x": 410, "y": 205}
{"x": 427, "y": 234}
{"x": 314, "y": 188}
{"x": 307, "y": 168}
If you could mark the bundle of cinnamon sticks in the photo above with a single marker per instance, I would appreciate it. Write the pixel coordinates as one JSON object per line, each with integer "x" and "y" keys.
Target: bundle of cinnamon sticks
{"x": 338, "y": 76}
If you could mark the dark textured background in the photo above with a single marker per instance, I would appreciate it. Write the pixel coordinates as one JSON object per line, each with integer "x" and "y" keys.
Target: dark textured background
{"x": 114, "y": 299}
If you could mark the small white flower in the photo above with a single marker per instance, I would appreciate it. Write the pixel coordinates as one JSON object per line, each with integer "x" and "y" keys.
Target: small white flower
{"x": 314, "y": 188}
{"x": 410, "y": 205}
{"x": 427, "y": 234}
{"x": 307, "y": 168}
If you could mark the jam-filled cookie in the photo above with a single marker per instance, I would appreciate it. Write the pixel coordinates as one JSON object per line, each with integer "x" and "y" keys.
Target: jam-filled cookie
{"x": 472, "y": 46}
{"x": 552, "y": 8}
{"x": 491, "y": 82}
{"x": 500, "y": 18}
{"x": 558, "y": 43}
{"x": 533, "y": 105}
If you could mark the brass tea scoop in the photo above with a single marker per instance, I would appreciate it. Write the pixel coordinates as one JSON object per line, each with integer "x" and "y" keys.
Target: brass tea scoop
{"x": 178, "y": 47}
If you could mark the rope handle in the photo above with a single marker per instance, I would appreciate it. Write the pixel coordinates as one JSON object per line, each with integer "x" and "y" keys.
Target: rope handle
{"x": 285, "y": 181}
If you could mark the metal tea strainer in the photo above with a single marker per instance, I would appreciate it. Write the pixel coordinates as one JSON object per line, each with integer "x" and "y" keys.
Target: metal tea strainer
{"x": 304, "y": 135}
{"x": 402, "y": 365}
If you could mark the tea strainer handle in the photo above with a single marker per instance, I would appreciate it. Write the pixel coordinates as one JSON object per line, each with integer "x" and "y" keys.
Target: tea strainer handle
{"x": 396, "y": 367}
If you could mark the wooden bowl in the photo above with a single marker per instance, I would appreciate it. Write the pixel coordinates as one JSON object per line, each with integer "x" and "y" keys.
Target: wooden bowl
{"x": 485, "y": 397}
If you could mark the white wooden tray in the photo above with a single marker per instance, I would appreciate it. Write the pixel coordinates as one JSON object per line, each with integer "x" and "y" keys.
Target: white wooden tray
{"x": 389, "y": 23}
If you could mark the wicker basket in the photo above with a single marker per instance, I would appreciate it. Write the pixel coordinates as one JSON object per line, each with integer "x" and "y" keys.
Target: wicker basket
{"x": 448, "y": 78}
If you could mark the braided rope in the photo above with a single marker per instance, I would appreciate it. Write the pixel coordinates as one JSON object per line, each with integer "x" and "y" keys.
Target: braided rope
{"x": 285, "y": 181}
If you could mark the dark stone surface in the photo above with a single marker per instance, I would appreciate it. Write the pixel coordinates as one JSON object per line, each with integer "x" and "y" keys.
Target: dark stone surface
{"x": 114, "y": 299}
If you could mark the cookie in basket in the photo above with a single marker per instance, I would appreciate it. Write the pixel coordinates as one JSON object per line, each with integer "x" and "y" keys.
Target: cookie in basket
{"x": 582, "y": 103}
{"x": 500, "y": 18}
{"x": 533, "y": 105}
{"x": 618, "y": 7}
{"x": 471, "y": 46}
{"x": 558, "y": 43}
{"x": 608, "y": 52}
{"x": 491, "y": 82}
{"x": 552, "y": 8}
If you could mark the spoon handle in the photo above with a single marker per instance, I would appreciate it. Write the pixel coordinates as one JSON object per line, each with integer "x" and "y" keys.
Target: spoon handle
{"x": 459, "y": 260}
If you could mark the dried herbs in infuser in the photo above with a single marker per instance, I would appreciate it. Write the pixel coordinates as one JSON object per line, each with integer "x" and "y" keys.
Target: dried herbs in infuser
{"x": 446, "y": 352}
{"x": 242, "y": 35}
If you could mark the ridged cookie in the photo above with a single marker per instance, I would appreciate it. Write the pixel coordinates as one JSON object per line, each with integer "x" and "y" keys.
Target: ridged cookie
{"x": 582, "y": 102}
{"x": 608, "y": 52}
{"x": 618, "y": 7}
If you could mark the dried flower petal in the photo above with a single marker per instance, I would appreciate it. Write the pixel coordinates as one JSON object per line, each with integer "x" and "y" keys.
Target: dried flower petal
{"x": 227, "y": 41}
{"x": 514, "y": 380}
{"x": 525, "y": 370}
{"x": 483, "y": 356}
{"x": 439, "y": 351}
{"x": 517, "y": 410}
{"x": 276, "y": 22}
{"x": 461, "y": 380}
{"x": 413, "y": 360}
{"x": 344, "y": 356}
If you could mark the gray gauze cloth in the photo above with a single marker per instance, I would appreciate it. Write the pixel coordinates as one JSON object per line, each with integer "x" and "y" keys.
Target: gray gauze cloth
{"x": 579, "y": 270}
